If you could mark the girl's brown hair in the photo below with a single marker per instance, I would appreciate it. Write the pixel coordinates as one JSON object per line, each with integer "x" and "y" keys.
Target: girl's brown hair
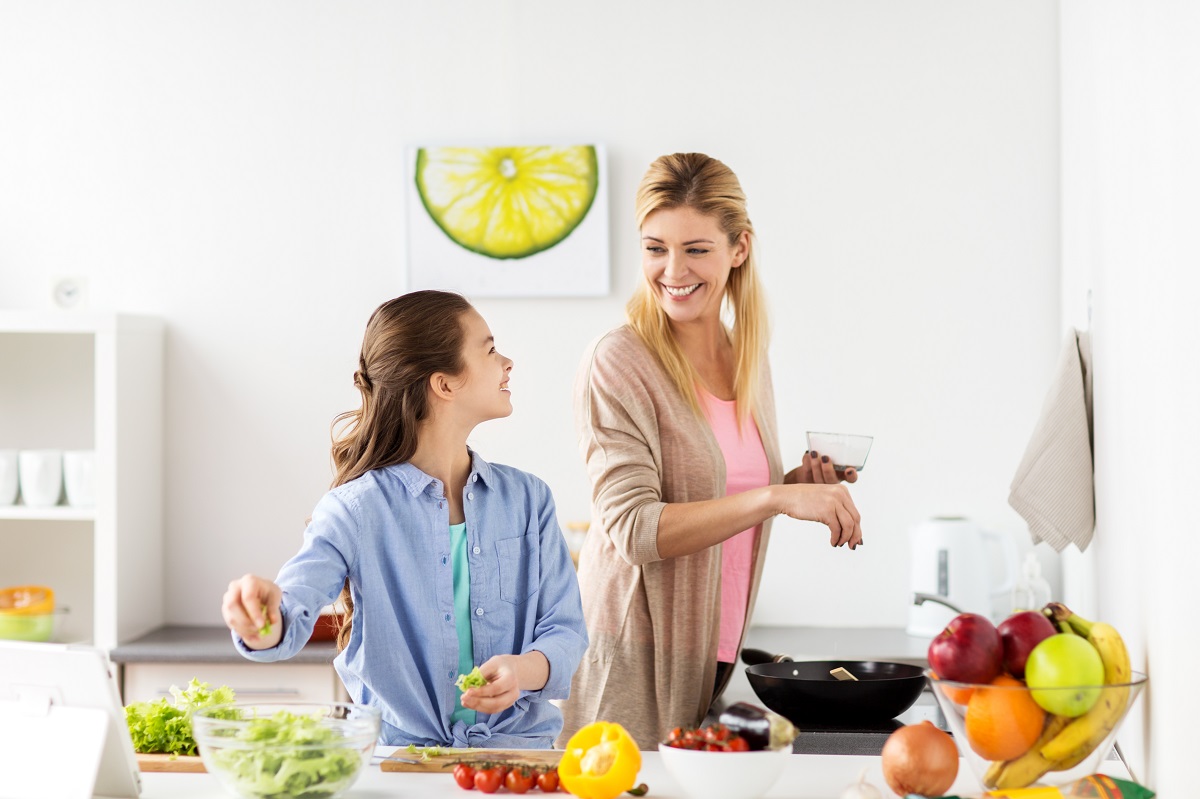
{"x": 700, "y": 182}
{"x": 407, "y": 341}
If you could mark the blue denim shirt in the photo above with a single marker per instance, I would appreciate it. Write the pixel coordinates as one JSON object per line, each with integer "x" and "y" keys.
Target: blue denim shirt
{"x": 388, "y": 532}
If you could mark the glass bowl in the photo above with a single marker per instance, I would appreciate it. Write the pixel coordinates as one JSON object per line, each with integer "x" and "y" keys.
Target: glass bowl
{"x": 724, "y": 775}
{"x": 286, "y": 750}
{"x": 844, "y": 449}
{"x": 1008, "y": 741}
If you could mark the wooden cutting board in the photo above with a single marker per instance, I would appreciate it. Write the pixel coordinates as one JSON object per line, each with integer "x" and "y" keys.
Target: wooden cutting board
{"x": 188, "y": 764}
{"x": 402, "y": 760}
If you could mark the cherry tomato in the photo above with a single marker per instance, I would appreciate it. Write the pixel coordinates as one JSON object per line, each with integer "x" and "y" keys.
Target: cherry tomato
{"x": 519, "y": 780}
{"x": 737, "y": 744}
{"x": 464, "y": 775}
{"x": 548, "y": 781}
{"x": 489, "y": 780}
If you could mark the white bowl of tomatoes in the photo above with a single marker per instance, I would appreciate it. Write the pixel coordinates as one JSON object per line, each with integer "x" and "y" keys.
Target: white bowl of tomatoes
{"x": 724, "y": 773}
{"x": 716, "y": 762}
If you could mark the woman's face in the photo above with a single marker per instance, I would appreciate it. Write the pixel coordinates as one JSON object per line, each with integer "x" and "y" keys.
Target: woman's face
{"x": 686, "y": 259}
{"x": 483, "y": 384}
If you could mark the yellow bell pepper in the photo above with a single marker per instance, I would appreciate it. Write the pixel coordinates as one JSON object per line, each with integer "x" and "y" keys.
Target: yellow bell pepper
{"x": 601, "y": 761}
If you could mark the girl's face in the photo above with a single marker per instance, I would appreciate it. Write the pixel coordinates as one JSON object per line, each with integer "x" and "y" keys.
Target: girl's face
{"x": 483, "y": 384}
{"x": 686, "y": 259}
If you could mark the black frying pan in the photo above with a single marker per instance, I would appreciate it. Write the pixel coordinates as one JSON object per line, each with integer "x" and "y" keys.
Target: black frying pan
{"x": 806, "y": 693}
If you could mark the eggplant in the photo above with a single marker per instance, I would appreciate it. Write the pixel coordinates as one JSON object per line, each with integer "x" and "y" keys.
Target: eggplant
{"x": 761, "y": 728}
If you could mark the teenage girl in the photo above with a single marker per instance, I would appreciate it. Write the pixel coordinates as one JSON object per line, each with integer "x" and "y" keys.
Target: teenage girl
{"x": 443, "y": 561}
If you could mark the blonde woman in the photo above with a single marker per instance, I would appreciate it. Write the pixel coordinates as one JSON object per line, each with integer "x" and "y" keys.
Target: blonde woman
{"x": 676, "y": 423}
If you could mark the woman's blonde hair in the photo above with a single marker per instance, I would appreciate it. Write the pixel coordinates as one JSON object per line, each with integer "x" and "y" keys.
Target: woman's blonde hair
{"x": 704, "y": 184}
{"x": 408, "y": 340}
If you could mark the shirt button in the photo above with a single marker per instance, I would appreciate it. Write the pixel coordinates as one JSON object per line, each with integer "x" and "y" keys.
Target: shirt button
{"x": 475, "y": 550}
{"x": 439, "y": 506}
{"x": 474, "y": 478}
{"x": 450, "y": 674}
{"x": 470, "y": 495}
{"x": 447, "y": 617}
{"x": 478, "y": 611}
{"x": 443, "y": 561}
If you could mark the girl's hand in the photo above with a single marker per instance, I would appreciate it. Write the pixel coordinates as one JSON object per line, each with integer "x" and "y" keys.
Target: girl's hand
{"x": 816, "y": 468}
{"x": 251, "y": 606}
{"x": 830, "y": 505}
{"x": 502, "y": 689}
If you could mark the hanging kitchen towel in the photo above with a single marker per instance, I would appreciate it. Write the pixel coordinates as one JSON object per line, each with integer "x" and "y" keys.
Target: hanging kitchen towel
{"x": 1053, "y": 488}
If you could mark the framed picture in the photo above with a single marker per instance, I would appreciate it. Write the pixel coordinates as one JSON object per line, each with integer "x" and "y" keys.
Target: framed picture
{"x": 508, "y": 220}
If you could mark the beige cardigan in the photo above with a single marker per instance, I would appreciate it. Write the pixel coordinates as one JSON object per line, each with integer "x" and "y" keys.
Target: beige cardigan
{"x": 653, "y": 623}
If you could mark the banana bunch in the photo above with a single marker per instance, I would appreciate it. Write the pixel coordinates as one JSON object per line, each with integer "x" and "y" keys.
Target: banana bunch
{"x": 1066, "y": 742}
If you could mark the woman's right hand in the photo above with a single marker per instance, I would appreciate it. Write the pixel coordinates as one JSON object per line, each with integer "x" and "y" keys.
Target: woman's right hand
{"x": 251, "y": 604}
{"x": 829, "y": 504}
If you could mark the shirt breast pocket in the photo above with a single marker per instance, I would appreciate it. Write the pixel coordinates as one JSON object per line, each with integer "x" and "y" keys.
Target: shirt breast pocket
{"x": 518, "y": 568}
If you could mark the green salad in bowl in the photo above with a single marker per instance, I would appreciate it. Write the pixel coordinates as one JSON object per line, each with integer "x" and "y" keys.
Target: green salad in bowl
{"x": 286, "y": 751}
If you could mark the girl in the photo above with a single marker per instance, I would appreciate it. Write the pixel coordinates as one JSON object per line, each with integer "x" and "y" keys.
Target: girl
{"x": 443, "y": 560}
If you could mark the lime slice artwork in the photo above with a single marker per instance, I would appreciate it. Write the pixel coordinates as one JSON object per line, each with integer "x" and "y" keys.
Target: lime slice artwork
{"x": 507, "y": 202}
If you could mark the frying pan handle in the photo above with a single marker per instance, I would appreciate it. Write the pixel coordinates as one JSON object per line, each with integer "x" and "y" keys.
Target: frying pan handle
{"x": 752, "y": 657}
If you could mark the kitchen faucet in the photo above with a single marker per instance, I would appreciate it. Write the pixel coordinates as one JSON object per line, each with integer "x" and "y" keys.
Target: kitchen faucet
{"x": 920, "y": 598}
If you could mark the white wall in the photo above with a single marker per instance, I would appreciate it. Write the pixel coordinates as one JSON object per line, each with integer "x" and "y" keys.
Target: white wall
{"x": 1131, "y": 198}
{"x": 237, "y": 169}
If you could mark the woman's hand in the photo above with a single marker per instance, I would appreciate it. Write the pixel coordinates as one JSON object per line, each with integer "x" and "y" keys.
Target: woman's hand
{"x": 506, "y": 676}
{"x": 830, "y": 505}
{"x": 815, "y": 468}
{"x": 249, "y": 607}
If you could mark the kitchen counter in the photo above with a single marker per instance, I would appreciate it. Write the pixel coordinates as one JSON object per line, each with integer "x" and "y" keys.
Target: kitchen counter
{"x": 805, "y": 777}
{"x": 183, "y": 644}
{"x": 197, "y": 644}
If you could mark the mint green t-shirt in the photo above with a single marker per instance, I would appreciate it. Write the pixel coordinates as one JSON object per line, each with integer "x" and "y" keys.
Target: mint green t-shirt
{"x": 462, "y": 615}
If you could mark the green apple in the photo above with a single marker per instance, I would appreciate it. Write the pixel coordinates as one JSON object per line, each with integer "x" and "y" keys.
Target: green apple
{"x": 1064, "y": 673}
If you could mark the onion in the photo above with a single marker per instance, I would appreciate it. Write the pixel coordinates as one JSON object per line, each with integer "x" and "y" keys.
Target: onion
{"x": 920, "y": 759}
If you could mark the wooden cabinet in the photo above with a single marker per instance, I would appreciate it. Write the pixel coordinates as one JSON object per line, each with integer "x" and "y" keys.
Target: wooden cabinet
{"x": 88, "y": 381}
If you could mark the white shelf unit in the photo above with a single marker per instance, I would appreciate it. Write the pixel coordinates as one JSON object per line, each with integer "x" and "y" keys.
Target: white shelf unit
{"x": 84, "y": 380}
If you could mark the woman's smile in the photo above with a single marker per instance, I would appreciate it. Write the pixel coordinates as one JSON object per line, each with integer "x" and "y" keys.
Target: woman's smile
{"x": 681, "y": 292}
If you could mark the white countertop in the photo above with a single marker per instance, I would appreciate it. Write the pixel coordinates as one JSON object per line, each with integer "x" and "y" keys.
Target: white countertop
{"x": 806, "y": 777}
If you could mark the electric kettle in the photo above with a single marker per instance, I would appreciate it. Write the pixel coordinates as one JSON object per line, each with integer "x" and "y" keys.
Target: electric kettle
{"x": 956, "y": 567}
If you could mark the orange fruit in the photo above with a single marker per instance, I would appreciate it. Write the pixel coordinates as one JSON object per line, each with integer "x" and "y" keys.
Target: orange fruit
{"x": 1002, "y": 720}
{"x": 959, "y": 696}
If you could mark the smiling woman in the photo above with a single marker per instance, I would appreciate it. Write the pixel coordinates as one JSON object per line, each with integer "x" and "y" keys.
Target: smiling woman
{"x": 677, "y": 426}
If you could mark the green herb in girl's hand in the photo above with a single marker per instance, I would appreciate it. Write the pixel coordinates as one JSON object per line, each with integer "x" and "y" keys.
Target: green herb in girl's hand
{"x": 266, "y": 628}
{"x": 473, "y": 680}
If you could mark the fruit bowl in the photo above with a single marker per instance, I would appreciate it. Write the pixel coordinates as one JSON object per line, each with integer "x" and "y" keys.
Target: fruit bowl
{"x": 724, "y": 775}
{"x": 286, "y": 751}
{"x": 1010, "y": 741}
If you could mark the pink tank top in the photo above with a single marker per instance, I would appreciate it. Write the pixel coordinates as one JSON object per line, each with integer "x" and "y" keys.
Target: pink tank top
{"x": 745, "y": 468}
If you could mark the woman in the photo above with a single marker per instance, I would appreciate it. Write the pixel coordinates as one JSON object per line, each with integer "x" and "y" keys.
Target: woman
{"x": 677, "y": 426}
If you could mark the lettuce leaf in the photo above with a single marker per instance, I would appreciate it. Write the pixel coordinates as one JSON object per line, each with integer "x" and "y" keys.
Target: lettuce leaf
{"x": 163, "y": 727}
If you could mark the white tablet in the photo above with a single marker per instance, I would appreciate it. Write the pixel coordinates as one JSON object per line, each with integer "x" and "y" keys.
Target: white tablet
{"x": 66, "y": 684}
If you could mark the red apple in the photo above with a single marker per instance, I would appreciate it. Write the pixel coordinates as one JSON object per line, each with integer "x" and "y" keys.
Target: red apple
{"x": 968, "y": 650}
{"x": 1020, "y": 633}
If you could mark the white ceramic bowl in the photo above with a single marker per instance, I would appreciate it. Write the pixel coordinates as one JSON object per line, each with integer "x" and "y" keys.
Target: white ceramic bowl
{"x": 724, "y": 775}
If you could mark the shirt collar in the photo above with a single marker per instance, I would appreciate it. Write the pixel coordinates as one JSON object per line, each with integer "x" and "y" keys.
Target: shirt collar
{"x": 416, "y": 481}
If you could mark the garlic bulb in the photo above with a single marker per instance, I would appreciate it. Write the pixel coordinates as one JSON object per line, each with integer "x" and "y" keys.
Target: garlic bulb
{"x": 862, "y": 789}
